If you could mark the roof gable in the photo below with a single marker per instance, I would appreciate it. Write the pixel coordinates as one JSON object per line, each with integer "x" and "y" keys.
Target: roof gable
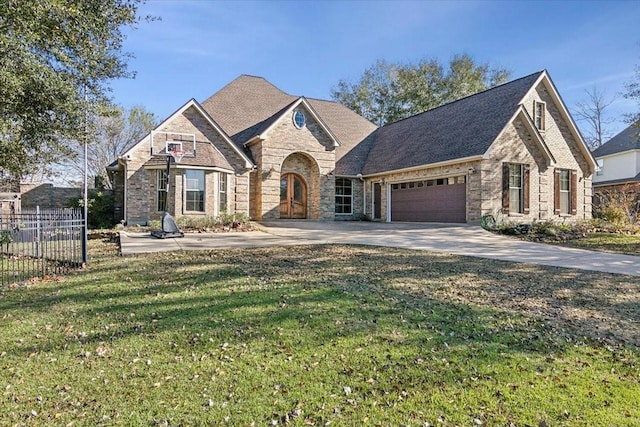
{"x": 244, "y": 103}
{"x": 249, "y": 105}
{"x": 189, "y": 104}
{"x": 461, "y": 129}
{"x": 263, "y": 130}
{"x": 545, "y": 80}
{"x": 628, "y": 139}
{"x": 521, "y": 113}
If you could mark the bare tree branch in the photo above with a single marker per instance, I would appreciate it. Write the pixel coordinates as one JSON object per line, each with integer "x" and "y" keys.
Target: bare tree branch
{"x": 593, "y": 113}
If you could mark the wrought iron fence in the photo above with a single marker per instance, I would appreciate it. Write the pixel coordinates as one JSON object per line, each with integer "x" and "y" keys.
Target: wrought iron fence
{"x": 39, "y": 243}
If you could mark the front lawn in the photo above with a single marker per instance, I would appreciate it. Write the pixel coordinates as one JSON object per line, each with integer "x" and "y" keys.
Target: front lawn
{"x": 609, "y": 242}
{"x": 320, "y": 335}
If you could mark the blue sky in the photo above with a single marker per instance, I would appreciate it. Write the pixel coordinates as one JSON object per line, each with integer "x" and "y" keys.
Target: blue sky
{"x": 305, "y": 47}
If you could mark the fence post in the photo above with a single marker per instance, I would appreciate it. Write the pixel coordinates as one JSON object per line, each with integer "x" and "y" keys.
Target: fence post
{"x": 38, "y": 233}
{"x": 85, "y": 246}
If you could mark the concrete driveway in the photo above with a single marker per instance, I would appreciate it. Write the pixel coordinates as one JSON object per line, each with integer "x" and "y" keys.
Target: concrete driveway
{"x": 457, "y": 239}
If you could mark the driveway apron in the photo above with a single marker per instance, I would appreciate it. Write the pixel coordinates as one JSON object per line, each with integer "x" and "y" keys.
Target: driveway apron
{"x": 456, "y": 239}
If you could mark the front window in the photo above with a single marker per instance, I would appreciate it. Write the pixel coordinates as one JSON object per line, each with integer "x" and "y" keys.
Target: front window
{"x": 222, "y": 193}
{"x": 161, "y": 190}
{"x": 600, "y": 168}
{"x": 194, "y": 190}
{"x": 515, "y": 188}
{"x": 539, "y": 115}
{"x": 344, "y": 196}
{"x": 565, "y": 192}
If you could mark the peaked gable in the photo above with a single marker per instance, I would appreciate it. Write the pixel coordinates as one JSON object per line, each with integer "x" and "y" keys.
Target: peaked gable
{"x": 192, "y": 103}
{"x": 574, "y": 133}
{"x": 244, "y": 103}
{"x": 628, "y": 139}
{"x": 249, "y": 105}
{"x": 461, "y": 129}
{"x": 266, "y": 126}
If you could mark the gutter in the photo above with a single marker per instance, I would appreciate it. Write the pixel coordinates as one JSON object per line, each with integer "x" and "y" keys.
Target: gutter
{"x": 427, "y": 166}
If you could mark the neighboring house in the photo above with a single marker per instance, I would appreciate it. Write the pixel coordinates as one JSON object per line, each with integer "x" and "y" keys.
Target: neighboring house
{"x": 619, "y": 162}
{"x": 511, "y": 151}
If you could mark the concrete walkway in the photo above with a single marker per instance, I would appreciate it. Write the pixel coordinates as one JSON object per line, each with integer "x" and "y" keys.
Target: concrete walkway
{"x": 445, "y": 238}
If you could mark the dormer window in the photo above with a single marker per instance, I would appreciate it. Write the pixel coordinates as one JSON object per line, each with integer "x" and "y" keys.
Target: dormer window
{"x": 539, "y": 110}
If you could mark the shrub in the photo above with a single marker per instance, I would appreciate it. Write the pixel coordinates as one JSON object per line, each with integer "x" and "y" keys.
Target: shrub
{"x": 225, "y": 219}
{"x": 513, "y": 228}
{"x": 620, "y": 206}
{"x": 99, "y": 208}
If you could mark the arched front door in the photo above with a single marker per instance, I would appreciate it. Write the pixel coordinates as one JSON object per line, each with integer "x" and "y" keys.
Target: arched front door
{"x": 293, "y": 196}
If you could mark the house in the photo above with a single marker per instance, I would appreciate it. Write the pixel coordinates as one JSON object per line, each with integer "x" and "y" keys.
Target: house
{"x": 511, "y": 151}
{"x": 619, "y": 162}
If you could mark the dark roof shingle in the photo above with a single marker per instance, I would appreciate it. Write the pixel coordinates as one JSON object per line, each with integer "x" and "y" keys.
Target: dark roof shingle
{"x": 628, "y": 139}
{"x": 206, "y": 155}
{"x": 249, "y": 105}
{"x": 462, "y": 128}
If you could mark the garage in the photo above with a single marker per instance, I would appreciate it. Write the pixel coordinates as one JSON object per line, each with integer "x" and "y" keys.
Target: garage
{"x": 434, "y": 200}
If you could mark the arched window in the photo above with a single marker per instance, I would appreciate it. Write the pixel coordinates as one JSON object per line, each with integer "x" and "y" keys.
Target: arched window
{"x": 344, "y": 196}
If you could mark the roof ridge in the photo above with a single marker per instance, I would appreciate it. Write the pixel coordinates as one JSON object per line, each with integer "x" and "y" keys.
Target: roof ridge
{"x": 238, "y": 78}
{"x": 465, "y": 97}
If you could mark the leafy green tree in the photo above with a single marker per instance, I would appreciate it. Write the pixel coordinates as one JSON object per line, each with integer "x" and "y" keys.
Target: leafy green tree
{"x": 56, "y": 61}
{"x": 387, "y": 92}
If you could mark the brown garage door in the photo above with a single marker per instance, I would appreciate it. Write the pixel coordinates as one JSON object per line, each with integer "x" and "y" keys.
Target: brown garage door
{"x": 433, "y": 203}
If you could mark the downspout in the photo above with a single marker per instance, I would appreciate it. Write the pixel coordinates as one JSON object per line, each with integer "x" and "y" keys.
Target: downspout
{"x": 388, "y": 202}
{"x": 249, "y": 194}
{"x": 124, "y": 195}
{"x": 364, "y": 195}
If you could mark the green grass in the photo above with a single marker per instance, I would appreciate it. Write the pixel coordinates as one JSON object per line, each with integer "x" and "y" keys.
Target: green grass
{"x": 609, "y": 242}
{"x": 320, "y": 335}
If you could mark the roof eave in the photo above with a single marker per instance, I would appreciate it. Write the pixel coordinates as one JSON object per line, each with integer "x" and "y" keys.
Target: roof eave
{"x": 193, "y": 103}
{"x": 427, "y": 166}
{"x": 314, "y": 114}
{"x": 573, "y": 129}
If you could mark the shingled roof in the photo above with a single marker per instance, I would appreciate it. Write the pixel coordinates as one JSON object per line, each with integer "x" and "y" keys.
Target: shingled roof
{"x": 250, "y": 104}
{"x": 463, "y": 128}
{"x": 628, "y": 139}
{"x": 207, "y": 155}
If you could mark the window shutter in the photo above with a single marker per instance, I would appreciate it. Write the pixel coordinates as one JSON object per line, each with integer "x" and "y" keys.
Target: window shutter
{"x": 525, "y": 189}
{"x": 505, "y": 188}
{"x": 556, "y": 192}
{"x": 573, "y": 188}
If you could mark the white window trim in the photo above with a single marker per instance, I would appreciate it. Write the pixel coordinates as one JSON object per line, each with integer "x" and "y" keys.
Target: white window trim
{"x": 520, "y": 189}
{"x": 543, "y": 118}
{"x": 566, "y": 192}
{"x": 226, "y": 191}
{"x": 350, "y": 197}
{"x": 159, "y": 176}
{"x": 184, "y": 193}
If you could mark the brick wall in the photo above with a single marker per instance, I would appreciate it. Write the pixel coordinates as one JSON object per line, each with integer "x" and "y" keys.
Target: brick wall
{"x": 308, "y": 152}
{"x": 445, "y": 171}
{"x": 46, "y": 195}
{"x": 142, "y": 180}
{"x": 566, "y": 151}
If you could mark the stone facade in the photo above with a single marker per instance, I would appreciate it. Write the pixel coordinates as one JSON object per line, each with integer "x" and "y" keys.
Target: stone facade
{"x": 308, "y": 152}
{"x": 140, "y": 174}
{"x": 276, "y": 147}
{"x": 467, "y": 169}
{"x": 484, "y": 177}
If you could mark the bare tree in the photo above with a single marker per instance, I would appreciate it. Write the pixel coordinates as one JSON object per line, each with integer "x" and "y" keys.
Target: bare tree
{"x": 111, "y": 133}
{"x": 633, "y": 93}
{"x": 593, "y": 113}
